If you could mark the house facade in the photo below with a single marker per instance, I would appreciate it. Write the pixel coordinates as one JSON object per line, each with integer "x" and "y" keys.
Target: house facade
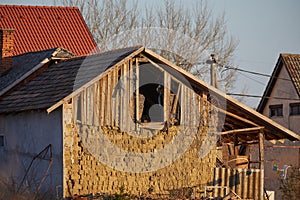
{"x": 125, "y": 120}
{"x": 281, "y": 103}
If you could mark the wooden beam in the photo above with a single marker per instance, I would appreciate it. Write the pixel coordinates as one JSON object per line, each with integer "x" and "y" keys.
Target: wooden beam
{"x": 236, "y": 117}
{"x": 261, "y": 164}
{"x": 176, "y": 100}
{"x": 137, "y": 92}
{"x": 167, "y": 84}
{"x": 243, "y": 131}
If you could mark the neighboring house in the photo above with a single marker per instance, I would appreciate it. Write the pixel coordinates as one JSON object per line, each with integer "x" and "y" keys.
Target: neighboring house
{"x": 37, "y": 28}
{"x": 125, "y": 120}
{"x": 281, "y": 103}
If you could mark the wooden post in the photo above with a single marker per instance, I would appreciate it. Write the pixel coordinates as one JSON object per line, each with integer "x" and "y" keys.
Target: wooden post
{"x": 166, "y": 96}
{"x": 174, "y": 108}
{"x": 137, "y": 92}
{"x": 261, "y": 163}
{"x": 125, "y": 96}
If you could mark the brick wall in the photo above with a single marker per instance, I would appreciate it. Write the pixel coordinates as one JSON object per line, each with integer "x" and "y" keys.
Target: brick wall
{"x": 6, "y": 49}
{"x": 85, "y": 174}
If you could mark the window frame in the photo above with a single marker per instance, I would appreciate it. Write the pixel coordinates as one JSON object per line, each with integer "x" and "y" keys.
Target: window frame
{"x": 276, "y": 110}
{"x": 297, "y": 106}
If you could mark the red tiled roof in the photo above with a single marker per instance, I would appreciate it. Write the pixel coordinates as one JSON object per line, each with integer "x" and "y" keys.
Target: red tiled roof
{"x": 43, "y": 27}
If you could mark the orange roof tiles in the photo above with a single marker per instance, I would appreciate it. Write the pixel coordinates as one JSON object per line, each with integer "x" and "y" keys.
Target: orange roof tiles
{"x": 44, "y": 27}
{"x": 292, "y": 63}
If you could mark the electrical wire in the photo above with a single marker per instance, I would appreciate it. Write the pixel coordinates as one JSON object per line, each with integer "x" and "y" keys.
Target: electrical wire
{"x": 255, "y": 73}
{"x": 241, "y": 71}
{"x": 259, "y": 96}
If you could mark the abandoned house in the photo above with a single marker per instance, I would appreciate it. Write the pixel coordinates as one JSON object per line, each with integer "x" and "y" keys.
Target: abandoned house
{"x": 281, "y": 103}
{"x": 129, "y": 120}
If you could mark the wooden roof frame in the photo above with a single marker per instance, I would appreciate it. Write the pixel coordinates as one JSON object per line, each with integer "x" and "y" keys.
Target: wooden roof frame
{"x": 264, "y": 121}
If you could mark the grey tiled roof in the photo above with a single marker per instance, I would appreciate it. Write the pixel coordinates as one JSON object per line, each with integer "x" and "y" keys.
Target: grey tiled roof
{"x": 60, "y": 80}
{"x": 25, "y": 62}
{"x": 22, "y": 64}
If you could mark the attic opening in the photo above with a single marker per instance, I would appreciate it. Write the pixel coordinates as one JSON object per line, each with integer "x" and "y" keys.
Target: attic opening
{"x": 157, "y": 97}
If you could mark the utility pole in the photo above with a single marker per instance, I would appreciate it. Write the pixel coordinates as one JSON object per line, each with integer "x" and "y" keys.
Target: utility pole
{"x": 213, "y": 77}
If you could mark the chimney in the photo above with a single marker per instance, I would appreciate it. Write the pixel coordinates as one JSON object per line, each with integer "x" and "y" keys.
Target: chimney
{"x": 6, "y": 49}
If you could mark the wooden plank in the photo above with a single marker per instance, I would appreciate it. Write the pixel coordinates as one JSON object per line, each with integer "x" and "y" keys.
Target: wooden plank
{"x": 96, "y": 103}
{"x": 131, "y": 94}
{"x": 175, "y": 104}
{"x": 261, "y": 163}
{"x": 137, "y": 92}
{"x": 90, "y": 106}
{"x": 167, "y": 84}
{"x": 189, "y": 107}
{"x": 126, "y": 96}
{"x": 74, "y": 108}
{"x": 102, "y": 91}
{"x": 84, "y": 107}
{"x": 108, "y": 97}
{"x": 194, "y": 109}
{"x": 113, "y": 99}
{"x": 205, "y": 109}
{"x": 236, "y": 117}
{"x": 243, "y": 131}
{"x": 182, "y": 111}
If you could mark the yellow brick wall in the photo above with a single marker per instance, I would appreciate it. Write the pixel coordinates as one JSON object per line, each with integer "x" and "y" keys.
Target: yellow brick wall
{"x": 85, "y": 174}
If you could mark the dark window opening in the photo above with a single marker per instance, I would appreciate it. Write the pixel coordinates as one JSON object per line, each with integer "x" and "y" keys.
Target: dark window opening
{"x": 276, "y": 110}
{"x": 153, "y": 108}
{"x": 1, "y": 140}
{"x": 295, "y": 109}
{"x": 149, "y": 106}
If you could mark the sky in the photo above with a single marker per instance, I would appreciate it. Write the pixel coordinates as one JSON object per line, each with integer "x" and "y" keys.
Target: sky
{"x": 264, "y": 29}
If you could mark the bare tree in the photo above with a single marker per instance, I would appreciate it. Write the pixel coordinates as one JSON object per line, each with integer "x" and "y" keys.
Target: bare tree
{"x": 186, "y": 35}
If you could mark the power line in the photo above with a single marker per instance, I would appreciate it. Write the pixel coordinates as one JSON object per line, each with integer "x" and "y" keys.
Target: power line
{"x": 259, "y": 96}
{"x": 255, "y": 73}
{"x": 252, "y": 79}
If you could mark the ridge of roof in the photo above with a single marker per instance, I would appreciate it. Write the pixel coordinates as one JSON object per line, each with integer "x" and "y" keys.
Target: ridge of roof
{"x": 36, "y": 6}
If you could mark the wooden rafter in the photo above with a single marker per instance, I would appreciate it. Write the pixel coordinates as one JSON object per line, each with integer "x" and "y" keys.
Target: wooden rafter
{"x": 244, "y": 131}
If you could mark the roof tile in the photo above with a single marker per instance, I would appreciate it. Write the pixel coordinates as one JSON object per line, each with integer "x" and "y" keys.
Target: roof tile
{"x": 49, "y": 27}
{"x": 292, "y": 63}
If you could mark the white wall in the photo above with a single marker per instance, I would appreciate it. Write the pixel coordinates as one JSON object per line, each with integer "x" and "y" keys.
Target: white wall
{"x": 27, "y": 134}
{"x": 284, "y": 89}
